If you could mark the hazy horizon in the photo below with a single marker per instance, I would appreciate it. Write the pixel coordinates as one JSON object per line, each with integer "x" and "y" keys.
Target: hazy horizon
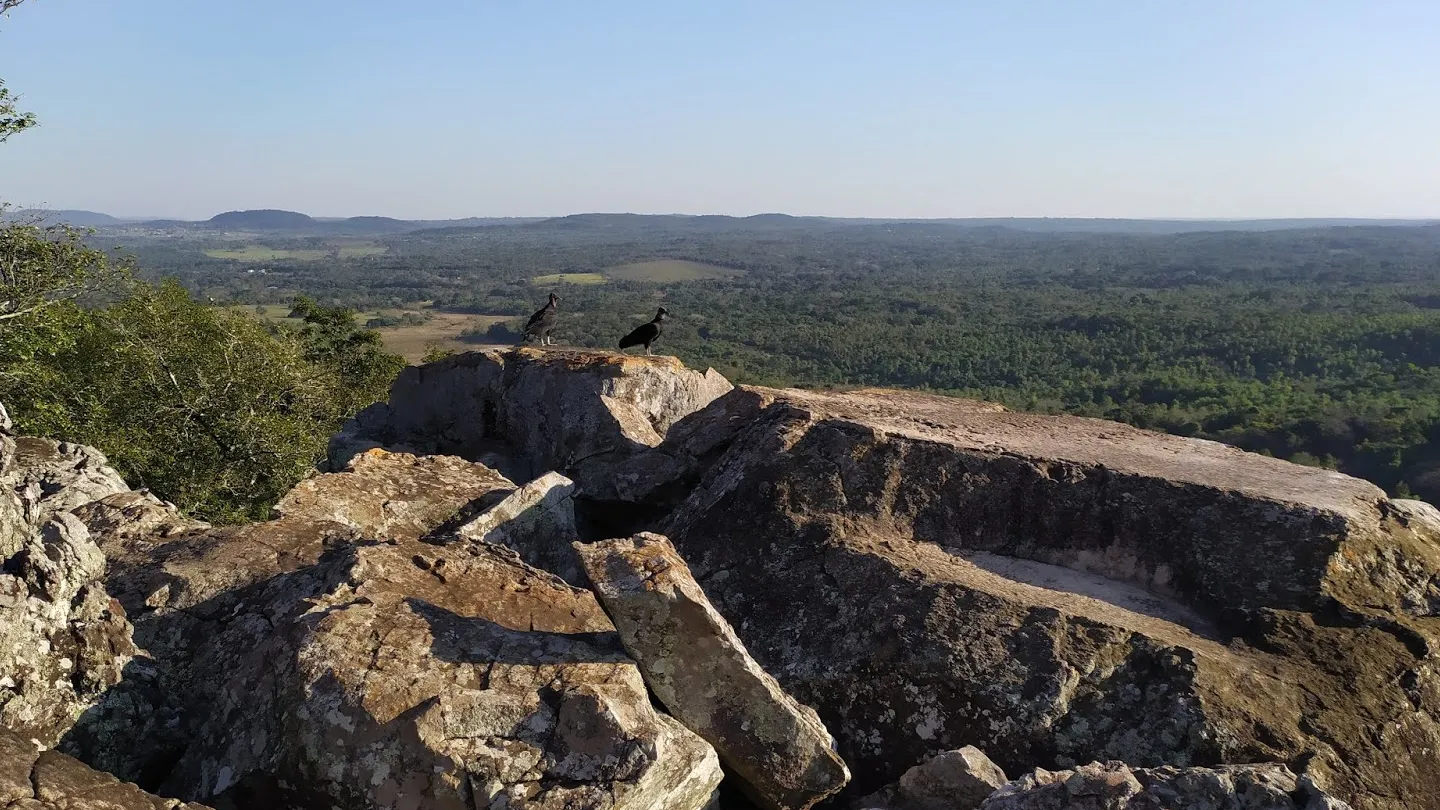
{"x": 925, "y": 110}
{"x": 324, "y": 217}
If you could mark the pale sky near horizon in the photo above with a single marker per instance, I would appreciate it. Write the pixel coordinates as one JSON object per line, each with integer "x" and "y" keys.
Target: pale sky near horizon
{"x": 452, "y": 108}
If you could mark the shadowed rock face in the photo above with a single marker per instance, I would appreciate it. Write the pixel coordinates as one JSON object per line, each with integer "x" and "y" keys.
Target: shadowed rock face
{"x": 34, "y": 780}
{"x": 574, "y": 412}
{"x": 930, "y": 575}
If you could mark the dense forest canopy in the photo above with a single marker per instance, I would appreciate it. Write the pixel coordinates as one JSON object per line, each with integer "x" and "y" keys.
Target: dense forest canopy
{"x": 1316, "y": 344}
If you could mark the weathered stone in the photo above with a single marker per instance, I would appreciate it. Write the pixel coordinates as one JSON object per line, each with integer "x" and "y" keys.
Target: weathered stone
{"x": 951, "y": 780}
{"x": 34, "y": 780}
{"x": 930, "y": 573}
{"x": 1114, "y": 786}
{"x": 63, "y": 641}
{"x": 536, "y": 520}
{"x": 572, "y": 411}
{"x": 408, "y": 675}
{"x": 52, "y": 477}
{"x": 701, "y": 672}
{"x": 383, "y": 494}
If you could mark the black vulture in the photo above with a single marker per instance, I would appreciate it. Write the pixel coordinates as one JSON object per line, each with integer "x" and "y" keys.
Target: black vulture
{"x": 645, "y": 334}
{"x": 543, "y": 321}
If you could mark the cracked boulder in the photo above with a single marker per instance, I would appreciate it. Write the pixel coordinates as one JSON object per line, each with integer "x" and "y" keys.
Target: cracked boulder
{"x": 32, "y": 779}
{"x": 692, "y": 660}
{"x": 572, "y": 411}
{"x": 402, "y": 674}
{"x": 951, "y": 780}
{"x": 1115, "y": 786}
{"x": 930, "y": 573}
{"x": 182, "y": 581}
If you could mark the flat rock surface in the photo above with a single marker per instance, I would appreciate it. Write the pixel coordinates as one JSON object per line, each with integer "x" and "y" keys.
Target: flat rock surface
{"x": 398, "y": 495}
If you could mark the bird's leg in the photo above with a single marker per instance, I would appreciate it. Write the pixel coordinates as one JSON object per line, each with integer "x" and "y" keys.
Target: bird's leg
{"x": 647, "y": 351}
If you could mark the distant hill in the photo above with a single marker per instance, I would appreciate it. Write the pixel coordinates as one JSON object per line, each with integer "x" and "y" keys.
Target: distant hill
{"x": 681, "y": 222}
{"x": 80, "y": 219}
{"x": 264, "y": 219}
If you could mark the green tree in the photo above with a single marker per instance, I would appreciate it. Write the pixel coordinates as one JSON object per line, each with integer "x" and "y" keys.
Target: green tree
{"x": 12, "y": 119}
{"x": 205, "y": 406}
{"x": 332, "y": 340}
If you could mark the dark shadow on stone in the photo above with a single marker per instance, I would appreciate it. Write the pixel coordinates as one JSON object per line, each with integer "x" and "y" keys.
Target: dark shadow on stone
{"x": 473, "y": 640}
{"x": 603, "y": 520}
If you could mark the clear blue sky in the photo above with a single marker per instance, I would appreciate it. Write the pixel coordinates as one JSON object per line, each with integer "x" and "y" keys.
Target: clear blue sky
{"x": 448, "y": 108}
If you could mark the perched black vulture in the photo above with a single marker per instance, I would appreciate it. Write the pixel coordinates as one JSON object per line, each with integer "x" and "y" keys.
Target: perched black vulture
{"x": 645, "y": 334}
{"x": 543, "y": 321}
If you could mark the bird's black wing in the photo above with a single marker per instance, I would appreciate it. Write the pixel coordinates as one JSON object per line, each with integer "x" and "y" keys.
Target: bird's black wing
{"x": 645, "y": 333}
{"x": 540, "y": 319}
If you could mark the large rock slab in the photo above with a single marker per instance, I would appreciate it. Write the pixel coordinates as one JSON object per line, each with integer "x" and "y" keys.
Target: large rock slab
{"x": 398, "y": 495}
{"x": 701, "y": 671}
{"x": 1115, "y": 786}
{"x": 930, "y": 573}
{"x": 405, "y": 675}
{"x": 575, "y": 412}
{"x": 300, "y": 662}
{"x": 32, "y": 779}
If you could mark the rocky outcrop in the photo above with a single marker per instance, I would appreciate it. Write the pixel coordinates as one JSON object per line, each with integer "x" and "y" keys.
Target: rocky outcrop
{"x": 302, "y": 661}
{"x": 574, "y": 412}
{"x": 696, "y": 666}
{"x": 930, "y": 573}
{"x": 51, "y": 477}
{"x": 32, "y": 779}
{"x": 926, "y": 573}
{"x": 402, "y": 674}
{"x": 63, "y": 641}
{"x": 951, "y": 780}
{"x": 1114, "y": 786}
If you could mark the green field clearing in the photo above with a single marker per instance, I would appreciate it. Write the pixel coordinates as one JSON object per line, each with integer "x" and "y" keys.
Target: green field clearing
{"x": 411, "y": 341}
{"x": 259, "y": 253}
{"x": 569, "y": 278}
{"x": 664, "y": 270}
